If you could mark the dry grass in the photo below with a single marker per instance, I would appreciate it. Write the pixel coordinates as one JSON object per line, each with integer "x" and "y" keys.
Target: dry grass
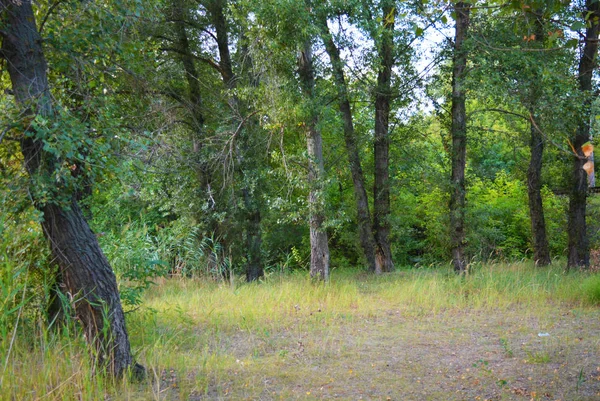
{"x": 410, "y": 335}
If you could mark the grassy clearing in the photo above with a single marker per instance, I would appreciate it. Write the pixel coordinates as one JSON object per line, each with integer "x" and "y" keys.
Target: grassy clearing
{"x": 413, "y": 334}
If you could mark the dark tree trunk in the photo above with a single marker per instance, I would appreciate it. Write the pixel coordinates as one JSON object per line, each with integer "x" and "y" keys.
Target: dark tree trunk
{"x": 541, "y": 252}
{"x": 252, "y": 216}
{"x": 459, "y": 138}
{"x": 189, "y": 66}
{"x": 193, "y": 102}
{"x": 381, "y": 188}
{"x": 578, "y": 246}
{"x": 360, "y": 194}
{"x": 88, "y": 276}
{"x": 254, "y": 269}
{"x": 319, "y": 248}
{"x": 84, "y": 269}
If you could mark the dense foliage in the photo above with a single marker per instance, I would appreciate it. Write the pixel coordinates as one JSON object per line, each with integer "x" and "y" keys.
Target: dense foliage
{"x": 181, "y": 127}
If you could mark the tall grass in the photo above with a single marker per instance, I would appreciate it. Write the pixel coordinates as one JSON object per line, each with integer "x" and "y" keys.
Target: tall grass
{"x": 281, "y": 298}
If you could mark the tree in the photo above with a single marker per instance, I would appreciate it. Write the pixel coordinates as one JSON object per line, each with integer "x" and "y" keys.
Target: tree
{"x": 459, "y": 137}
{"x": 252, "y": 216}
{"x": 84, "y": 270}
{"x": 233, "y": 216}
{"x": 578, "y": 246}
{"x": 381, "y": 187}
{"x": 367, "y": 239}
{"x": 541, "y": 253}
{"x": 319, "y": 248}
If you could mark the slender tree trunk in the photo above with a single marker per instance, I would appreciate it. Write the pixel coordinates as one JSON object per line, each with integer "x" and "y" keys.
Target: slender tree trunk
{"x": 367, "y": 239}
{"x": 189, "y": 66}
{"x": 319, "y": 248}
{"x": 459, "y": 138}
{"x": 252, "y": 216}
{"x": 193, "y": 102}
{"x": 84, "y": 269}
{"x": 381, "y": 188}
{"x": 541, "y": 252}
{"x": 578, "y": 246}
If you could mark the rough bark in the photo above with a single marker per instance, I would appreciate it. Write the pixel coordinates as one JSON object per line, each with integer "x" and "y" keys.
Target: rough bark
{"x": 85, "y": 271}
{"x": 459, "y": 138}
{"x": 541, "y": 252}
{"x": 578, "y": 244}
{"x": 319, "y": 248}
{"x": 252, "y": 216}
{"x": 367, "y": 239}
{"x": 381, "y": 188}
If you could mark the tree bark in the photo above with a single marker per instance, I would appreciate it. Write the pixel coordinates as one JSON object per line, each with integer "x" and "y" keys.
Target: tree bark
{"x": 254, "y": 265}
{"x": 381, "y": 188}
{"x": 541, "y": 252}
{"x": 84, "y": 269}
{"x": 367, "y": 239}
{"x": 319, "y": 248}
{"x": 578, "y": 244}
{"x": 459, "y": 138}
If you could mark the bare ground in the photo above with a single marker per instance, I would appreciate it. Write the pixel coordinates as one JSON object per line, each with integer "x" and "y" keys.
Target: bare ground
{"x": 391, "y": 355}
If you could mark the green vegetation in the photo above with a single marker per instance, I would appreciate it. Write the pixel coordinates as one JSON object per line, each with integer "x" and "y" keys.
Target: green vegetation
{"x": 263, "y": 199}
{"x": 418, "y": 332}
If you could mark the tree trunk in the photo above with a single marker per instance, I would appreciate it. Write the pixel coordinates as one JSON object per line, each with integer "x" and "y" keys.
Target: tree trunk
{"x": 381, "y": 188}
{"x": 193, "y": 102}
{"x": 189, "y": 66}
{"x": 578, "y": 246}
{"x": 360, "y": 194}
{"x": 252, "y": 216}
{"x": 459, "y": 138}
{"x": 319, "y": 248}
{"x": 541, "y": 252}
{"x": 84, "y": 269}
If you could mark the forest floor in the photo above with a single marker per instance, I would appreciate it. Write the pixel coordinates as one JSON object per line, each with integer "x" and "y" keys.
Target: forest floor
{"x": 505, "y": 332}
{"x": 359, "y": 340}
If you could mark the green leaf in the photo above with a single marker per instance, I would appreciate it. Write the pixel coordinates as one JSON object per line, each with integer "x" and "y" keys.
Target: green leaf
{"x": 577, "y": 25}
{"x": 572, "y": 43}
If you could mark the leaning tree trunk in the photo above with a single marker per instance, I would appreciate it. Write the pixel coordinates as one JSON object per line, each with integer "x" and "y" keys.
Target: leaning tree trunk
{"x": 84, "y": 269}
{"x": 360, "y": 194}
{"x": 541, "y": 252}
{"x": 381, "y": 187}
{"x": 319, "y": 248}
{"x": 254, "y": 264}
{"x": 459, "y": 139}
{"x": 578, "y": 245}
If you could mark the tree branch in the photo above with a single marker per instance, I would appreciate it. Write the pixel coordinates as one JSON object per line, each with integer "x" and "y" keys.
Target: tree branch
{"x": 50, "y": 10}
{"x": 206, "y": 60}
